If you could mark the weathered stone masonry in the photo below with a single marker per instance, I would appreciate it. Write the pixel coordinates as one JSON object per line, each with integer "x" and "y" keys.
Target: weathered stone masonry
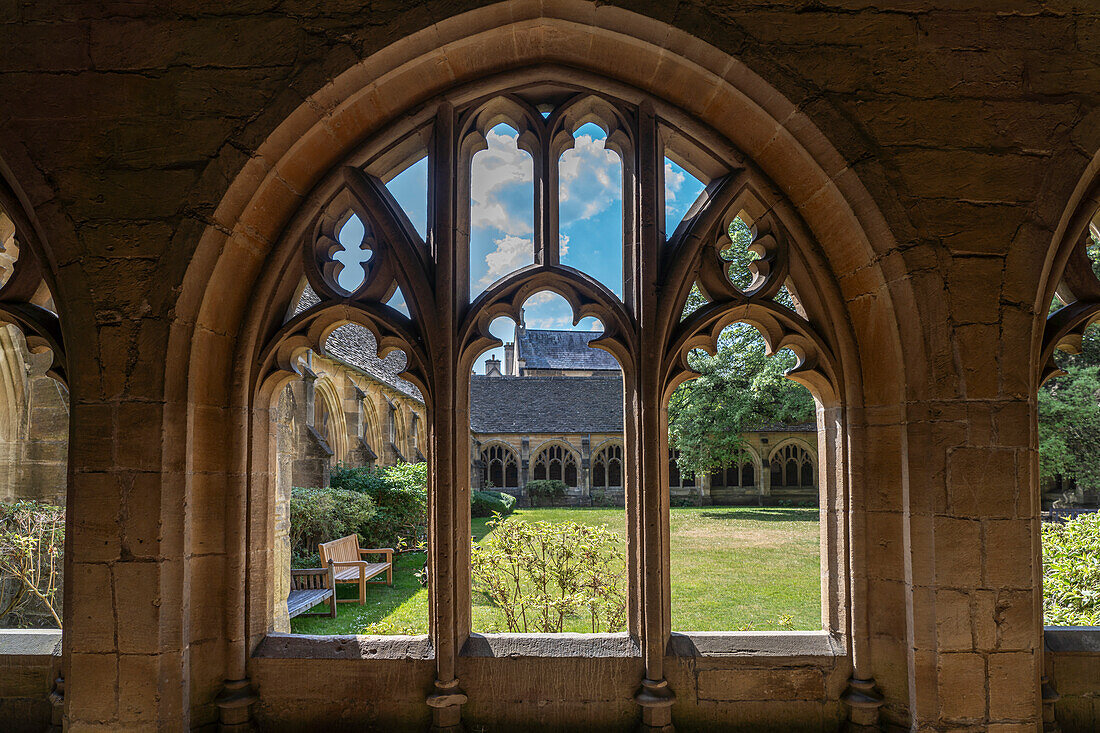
{"x": 940, "y": 160}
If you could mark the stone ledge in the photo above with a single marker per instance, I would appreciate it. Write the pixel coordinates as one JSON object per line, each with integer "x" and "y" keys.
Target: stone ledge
{"x": 600, "y": 646}
{"x": 1072, "y": 639}
{"x": 302, "y": 646}
{"x": 30, "y": 642}
{"x": 782, "y": 644}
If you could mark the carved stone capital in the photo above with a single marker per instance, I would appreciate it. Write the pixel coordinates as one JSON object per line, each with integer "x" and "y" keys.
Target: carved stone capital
{"x": 235, "y": 706}
{"x": 863, "y": 702}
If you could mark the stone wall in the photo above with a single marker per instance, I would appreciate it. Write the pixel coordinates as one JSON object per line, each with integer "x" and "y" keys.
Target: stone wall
{"x": 30, "y": 662}
{"x": 934, "y": 153}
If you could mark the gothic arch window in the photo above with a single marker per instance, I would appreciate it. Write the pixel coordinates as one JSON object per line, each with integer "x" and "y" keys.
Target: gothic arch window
{"x": 740, "y": 474}
{"x": 501, "y": 467}
{"x": 607, "y": 467}
{"x": 557, "y": 462}
{"x": 450, "y": 304}
{"x": 678, "y": 479}
{"x": 792, "y": 466}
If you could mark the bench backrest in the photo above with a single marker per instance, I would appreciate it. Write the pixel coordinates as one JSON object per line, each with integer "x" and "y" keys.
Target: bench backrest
{"x": 345, "y": 549}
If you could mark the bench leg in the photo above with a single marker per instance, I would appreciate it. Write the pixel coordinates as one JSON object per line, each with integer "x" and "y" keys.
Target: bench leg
{"x": 389, "y": 574}
{"x": 332, "y": 604}
{"x": 362, "y": 590}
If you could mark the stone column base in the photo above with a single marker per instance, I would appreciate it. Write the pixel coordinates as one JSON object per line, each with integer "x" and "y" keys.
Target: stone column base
{"x": 446, "y": 704}
{"x": 656, "y": 699}
{"x": 1049, "y": 696}
{"x": 57, "y": 706}
{"x": 863, "y": 702}
{"x": 235, "y": 706}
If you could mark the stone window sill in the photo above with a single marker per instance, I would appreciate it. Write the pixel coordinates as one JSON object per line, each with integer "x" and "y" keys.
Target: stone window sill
{"x": 804, "y": 645}
{"x": 1073, "y": 639}
{"x": 303, "y": 646}
{"x": 756, "y": 644}
{"x": 30, "y": 642}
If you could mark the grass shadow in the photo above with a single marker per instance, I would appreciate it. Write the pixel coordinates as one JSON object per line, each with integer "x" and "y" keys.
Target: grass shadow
{"x": 767, "y": 514}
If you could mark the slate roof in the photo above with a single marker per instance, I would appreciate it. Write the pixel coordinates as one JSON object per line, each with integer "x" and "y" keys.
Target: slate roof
{"x": 356, "y": 347}
{"x": 546, "y": 404}
{"x": 545, "y": 349}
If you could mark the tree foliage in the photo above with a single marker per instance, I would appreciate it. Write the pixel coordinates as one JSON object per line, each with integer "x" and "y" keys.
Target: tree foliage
{"x": 1069, "y": 417}
{"x": 739, "y": 388}
{"x": 1071, "y": 571}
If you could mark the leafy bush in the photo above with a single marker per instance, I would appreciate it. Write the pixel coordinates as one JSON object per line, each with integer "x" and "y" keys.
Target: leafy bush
{"x": 546, "y": 491}
{"x": 486, "y": 503}
{"x": 400, "y": 495}
{"x": 603, "y": 500}
{"x": 1071, "y": 571}
{"x": 539, "y": 574}
{"x": 32, "y": 546}
{"x": 321, "y": 515}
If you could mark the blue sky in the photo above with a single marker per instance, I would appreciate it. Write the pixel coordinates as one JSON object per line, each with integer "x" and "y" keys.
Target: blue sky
{"x": 501, "y": 235}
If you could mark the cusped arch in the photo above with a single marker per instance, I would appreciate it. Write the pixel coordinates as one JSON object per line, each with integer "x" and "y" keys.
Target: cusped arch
{"x": 234, "y": 296}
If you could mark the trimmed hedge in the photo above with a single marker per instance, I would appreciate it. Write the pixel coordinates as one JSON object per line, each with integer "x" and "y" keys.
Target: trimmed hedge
{"x": 485, "y": 503}
{"x": 546, "y": 492}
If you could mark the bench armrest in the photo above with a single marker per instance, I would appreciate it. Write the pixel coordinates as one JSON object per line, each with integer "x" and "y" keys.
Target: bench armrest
{"x": 329, "y": 575}
{"x": 347, "y": 564}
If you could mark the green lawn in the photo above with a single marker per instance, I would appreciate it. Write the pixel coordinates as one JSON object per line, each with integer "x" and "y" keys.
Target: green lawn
{"x": 733, "y": 568}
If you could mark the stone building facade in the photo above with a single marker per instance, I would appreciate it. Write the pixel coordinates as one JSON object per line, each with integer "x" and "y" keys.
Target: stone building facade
{"x": 921, "y": 172}
{"x": 562, "y": 419}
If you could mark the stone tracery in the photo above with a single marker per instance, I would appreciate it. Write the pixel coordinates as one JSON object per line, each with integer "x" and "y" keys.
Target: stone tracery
{"x": 445, "y": 332}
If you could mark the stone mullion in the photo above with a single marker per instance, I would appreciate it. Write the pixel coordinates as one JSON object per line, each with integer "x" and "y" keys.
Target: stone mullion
{"x": 654, "y": 697}
{"x": 545, "y": 183}
{"x": 448, "y": 463}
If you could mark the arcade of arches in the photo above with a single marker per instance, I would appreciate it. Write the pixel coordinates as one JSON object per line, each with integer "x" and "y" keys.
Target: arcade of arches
{"x": 919, "y": 177}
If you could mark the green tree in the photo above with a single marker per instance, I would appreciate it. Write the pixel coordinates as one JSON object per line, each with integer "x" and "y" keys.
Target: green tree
{"x": 1069, "y": 417}
{"x": 740, "y": 387}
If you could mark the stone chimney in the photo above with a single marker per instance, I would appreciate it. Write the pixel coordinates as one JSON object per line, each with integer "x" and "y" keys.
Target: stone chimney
{"x": 509, "y": 366}
{"x": 492, "y": 367}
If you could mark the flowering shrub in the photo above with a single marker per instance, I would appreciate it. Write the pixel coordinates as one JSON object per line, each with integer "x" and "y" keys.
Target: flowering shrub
{"x": 1071, "y": 572}
{"x": 540, "y": 574}
{"x": 32, "y": 547}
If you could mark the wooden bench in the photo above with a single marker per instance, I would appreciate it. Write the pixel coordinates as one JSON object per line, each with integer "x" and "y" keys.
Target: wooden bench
{"x": 308, "y": 587}
{"x": 346, "y": 559}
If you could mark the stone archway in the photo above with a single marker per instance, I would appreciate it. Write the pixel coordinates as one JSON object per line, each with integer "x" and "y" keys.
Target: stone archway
{"x": 222, "y": 290}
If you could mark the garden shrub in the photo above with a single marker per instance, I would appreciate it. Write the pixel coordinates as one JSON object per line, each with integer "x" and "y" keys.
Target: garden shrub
{"x": 322, "y": 515}
{"x": 400, "y": 495}
{"x": 539, "y": 574}
{"x": 1071, "y": 571}
{"x": 486, "y": 503}
{"x": 546, "y": 491}
{"x": 32, "y": 547}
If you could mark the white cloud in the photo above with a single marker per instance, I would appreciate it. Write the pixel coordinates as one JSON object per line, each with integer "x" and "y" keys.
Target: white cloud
{"x": 590, "y": 179}
{"x": 496, "y": 172}
{"x": 674, "y": 181}
{"x": 563, "y": 245}
{"x": 511, "y": 253}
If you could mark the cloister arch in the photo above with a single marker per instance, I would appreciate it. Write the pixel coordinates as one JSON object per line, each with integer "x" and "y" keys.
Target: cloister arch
{"x": 235, "y": 276}
{"x": 328, "y": 402}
